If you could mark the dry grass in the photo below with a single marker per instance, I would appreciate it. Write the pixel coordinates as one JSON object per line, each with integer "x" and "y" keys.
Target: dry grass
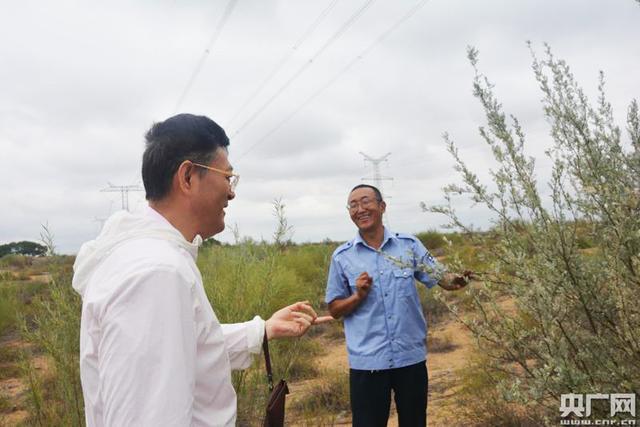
{"x": 241, "y": 280}
{"x": 440, "y": 344}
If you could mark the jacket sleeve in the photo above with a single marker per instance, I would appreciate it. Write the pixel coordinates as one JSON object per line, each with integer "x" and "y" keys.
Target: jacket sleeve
{"x": 147, "y": 351}
{"x": 242, "y": 341}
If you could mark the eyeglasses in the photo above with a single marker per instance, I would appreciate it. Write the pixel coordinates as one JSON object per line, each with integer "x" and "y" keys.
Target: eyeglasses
{"x": 365, "y": 203}
{"x": 231, "y": 177}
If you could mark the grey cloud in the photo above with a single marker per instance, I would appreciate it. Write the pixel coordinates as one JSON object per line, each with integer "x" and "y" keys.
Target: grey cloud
{"x": 82, "y": 83}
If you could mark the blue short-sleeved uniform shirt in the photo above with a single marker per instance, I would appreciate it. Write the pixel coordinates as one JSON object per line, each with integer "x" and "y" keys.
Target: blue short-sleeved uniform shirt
{"x": 387, "y": 330}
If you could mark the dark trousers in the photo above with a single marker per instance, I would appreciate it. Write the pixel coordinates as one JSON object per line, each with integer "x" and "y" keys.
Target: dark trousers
{"x": 371, "y": 396}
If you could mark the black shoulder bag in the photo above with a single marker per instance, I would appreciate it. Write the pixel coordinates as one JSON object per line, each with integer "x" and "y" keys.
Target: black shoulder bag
{"x": 275, "y": 405}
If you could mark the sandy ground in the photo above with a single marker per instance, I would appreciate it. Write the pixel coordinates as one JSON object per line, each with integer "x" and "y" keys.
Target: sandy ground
{"x": 12, "y": 390}
{"x": 15, "y": 389}
{"x": 442, "y": 366}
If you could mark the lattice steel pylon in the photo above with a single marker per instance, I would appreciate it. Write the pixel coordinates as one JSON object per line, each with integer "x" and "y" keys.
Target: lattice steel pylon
{"x": 124, "y": 192}
{"x": 377, "y": 177}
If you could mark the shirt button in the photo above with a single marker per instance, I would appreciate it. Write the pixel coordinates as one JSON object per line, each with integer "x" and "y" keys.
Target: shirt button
{"x": 389, "y": 316}
{"x": 386, "y": 295}
{"x": 381, "y": 271}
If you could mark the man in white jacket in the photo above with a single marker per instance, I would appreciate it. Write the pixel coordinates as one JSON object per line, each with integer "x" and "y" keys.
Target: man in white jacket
{"x": 152, "y": 351}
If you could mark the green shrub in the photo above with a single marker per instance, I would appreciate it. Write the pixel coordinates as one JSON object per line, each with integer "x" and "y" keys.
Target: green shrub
{"x": 5, "y": 406}
{"x": 10, "y": 371}
{"x": 432, "y": 239}
{"x": 328, "y": 397}
{"x": 482, "y": 403}
{"x": 53, "y": 329}
{"x": 15, "y": 261}
{"x": 434, "y": 308}
{"x": 251, "y": 279}
{"x": 8, "y": 302}
{"x": 440, "y": 344}
{"x": 9, "y": 354}
{"x": 575, "y": 322}
{"x": 15, "y": 299}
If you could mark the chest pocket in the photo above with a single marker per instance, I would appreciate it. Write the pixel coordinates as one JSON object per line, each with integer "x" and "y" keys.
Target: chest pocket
{"x": 404, "y": 281}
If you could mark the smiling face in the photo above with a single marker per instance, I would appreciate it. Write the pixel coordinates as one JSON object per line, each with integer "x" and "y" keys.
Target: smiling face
{"x": 366, "y": 211}
{"x": 213, "y": 195}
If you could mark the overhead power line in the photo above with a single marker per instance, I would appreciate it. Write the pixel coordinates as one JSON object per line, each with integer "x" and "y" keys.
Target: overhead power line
{"x": 335, "y": 36}
{"x": 214, "y": 37}
{"x": 281, "y": 63}
{"x": 414, "y": 9}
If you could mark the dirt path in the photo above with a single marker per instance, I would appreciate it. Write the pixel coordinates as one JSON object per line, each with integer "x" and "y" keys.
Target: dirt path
{"x": 442, "y": 366}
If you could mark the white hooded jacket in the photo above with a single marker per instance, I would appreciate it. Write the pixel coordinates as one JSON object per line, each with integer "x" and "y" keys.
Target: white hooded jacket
{"x": 152, "y": 351}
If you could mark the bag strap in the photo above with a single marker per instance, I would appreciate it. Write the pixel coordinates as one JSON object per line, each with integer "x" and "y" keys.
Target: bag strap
{"x": 267, "y": 359}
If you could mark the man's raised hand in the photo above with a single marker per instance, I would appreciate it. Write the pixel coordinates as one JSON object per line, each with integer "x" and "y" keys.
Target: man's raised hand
{"x": 363, "y": 284}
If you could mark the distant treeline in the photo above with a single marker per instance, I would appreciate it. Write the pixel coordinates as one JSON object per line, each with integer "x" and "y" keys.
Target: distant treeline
{"x": 23, "y": 248}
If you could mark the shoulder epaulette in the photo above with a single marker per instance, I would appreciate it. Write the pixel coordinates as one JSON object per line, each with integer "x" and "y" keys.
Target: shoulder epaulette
{"x": 406, "y": 236}
{"x": 343, "y": 247}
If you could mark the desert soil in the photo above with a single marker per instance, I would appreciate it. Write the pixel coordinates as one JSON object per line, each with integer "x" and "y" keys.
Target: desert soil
{"x": 443, "y": 381}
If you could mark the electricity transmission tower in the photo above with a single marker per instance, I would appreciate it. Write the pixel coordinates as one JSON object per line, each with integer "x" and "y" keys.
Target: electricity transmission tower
{"x": 124, "y": 192}
{"x": 377, "y": 177}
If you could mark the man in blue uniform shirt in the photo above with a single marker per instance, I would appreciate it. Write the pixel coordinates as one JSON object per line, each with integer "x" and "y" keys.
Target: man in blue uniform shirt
{"x": 371, "y": 285}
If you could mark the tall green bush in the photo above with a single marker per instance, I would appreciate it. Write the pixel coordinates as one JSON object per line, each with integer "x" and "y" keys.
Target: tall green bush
{"x": 53, "y": 330}
{"x": 575, "y": 326}
{"x": 257, "y": 279}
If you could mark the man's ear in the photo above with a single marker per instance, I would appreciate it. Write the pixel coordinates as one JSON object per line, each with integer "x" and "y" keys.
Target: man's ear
{"x": 183, "y": 177}
{"x": 383, "y": 206}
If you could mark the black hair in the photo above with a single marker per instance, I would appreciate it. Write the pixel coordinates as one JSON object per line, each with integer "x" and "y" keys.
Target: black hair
{"x": 171, "y": 142}
{"x": 375, "y": 190}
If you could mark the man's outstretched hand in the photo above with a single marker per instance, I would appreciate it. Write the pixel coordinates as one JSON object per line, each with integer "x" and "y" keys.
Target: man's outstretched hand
{"x": 293, "y": 320}
{"x": 453, "y": 282}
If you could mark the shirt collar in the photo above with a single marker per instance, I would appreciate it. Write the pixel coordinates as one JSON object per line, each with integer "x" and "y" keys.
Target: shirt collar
{"x": 157, "y": 216}
{"x": 388, "y": 235}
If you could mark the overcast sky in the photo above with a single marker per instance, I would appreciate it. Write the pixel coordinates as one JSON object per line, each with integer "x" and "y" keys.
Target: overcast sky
{"x": 81, "y": 82}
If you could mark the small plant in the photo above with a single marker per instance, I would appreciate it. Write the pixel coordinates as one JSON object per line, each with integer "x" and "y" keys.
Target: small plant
{"x": 284, "y": 231}
{"x": 329, "y": 397}
{"x": 8, "y": 304}
{"x": 6, "y": 275}
{"x": 47, "y": 239}
{"x": 5, "y": 406}
{"x": 440, "y": 344}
